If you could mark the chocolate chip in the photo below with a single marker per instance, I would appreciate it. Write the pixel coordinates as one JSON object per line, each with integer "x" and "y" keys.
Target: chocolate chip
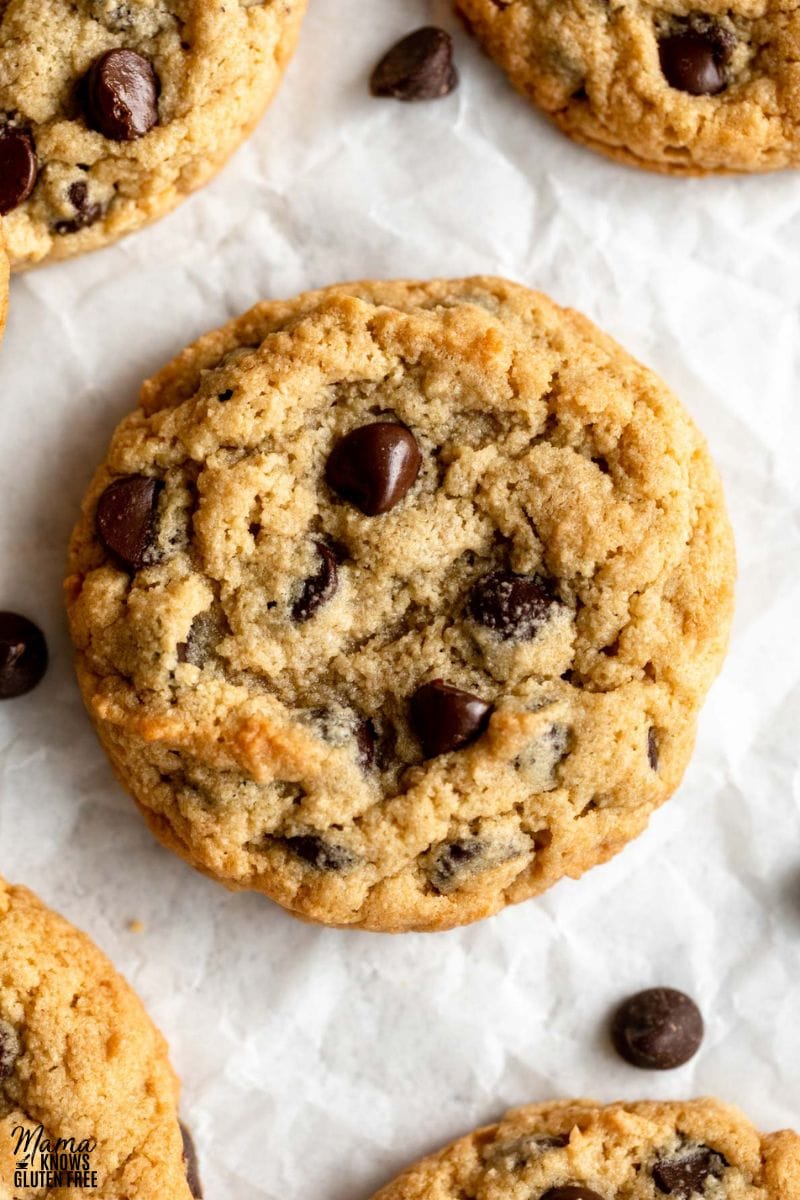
{"x": 190, "y": 1164}
{"x": 658, "y": 1029}
{"x": 9, "y": 1049}
{"x": 18, "y": 167}
{"x": 684, "y": 1175}
{"x": 515, "y": 606}
{"x": 419, "y": 67}
{"x": 205, "y": 633}
{"x": 121, "y": 95}
{"x": 321, "y": 855}
{"x": 454, "y": 862}
{"x": 23, "y": 655}
{"x": 374, "y": 466}
{"x": 126, "y": 519}
{"x": 85, "y": 213}
{"x": 444, "y": 718}
{"x": 652, "y": 748}
{"x": 365, "y": 741}
{"x": 515, "y": 1155}
{"x": 571, "y": 1193}
{"x": 693, "y": 61}
{"x": 318, "y": 588}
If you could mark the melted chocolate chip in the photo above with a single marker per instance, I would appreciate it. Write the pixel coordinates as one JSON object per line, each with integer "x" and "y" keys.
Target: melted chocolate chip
{"x": 18, "y": 167}
{"x": 190, "y": 1163}
{"x": 658, "y": 1029}
{"x": 572, "y": 1192}
{"x": 693, "y": 60}
{"x": 444, "y": 718}
{"x": 419, "y": 67}
{"x": 85, "y": 213}
{"x": 121, "y": 95}
{"x": 23, "y": 655}
{"x": 321, "y": 855}
{"x": 454, "y": 862}
{"x": 374, "y": 466}
{"x": 515, "y": 606}
{"x": 652, "y": 749}
{"x": 318, "y": 588}
{"x": 684, "y": 1175}
{"x": 9, "y": 1049}
{"x": 126, "y": 519}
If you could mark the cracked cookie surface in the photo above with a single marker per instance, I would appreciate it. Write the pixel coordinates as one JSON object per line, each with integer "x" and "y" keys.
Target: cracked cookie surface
{"x": 577, "y": 1150}
{"x": 680, "y": 86}
{"x": 112, "y": 112}
{"x": 80, "y": 1058}
{"x": 397, "y": 602}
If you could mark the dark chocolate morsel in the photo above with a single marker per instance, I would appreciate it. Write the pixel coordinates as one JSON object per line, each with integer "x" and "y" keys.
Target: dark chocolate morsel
{"x": 515, "y": 606}
{"x": 652, "y": 748}
{"x": 23, "y": 655}
{"x": 126, "y": 519}
{"x": 658, "y": 1029}
{"x": 518, "y": 1153}
{"x": 121, "y": 95}
{"x": 190, "y": 1162}
{"x": 18, "y": 167}
{"x": 318, "y": 588}
{"x": 684, "y": 1175}
{"x": 444, "y": 718}
{"x": 85, "y": 213}
{"x": 319, "y": 854}
{"x": 419, "y": 67}
{"x": 691, "y": 62}
{"x": 572, "y": 1192}
{"x": 374, "y": 466}
{"x": 365, "y": 741}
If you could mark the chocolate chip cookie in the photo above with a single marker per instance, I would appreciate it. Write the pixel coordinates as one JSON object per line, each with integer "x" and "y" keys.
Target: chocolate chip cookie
{"x": 79, "y": 1061}
{"x": 112, "y": 111}
{"x": 397, "y": 602}
{"x": 576, "y": 1150}
{"x": 686, "y": 87}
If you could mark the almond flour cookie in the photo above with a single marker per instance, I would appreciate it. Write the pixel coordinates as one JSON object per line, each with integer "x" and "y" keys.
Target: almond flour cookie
{"x": 576, "y": 1150}
{"x": 79, "y": 1061}
{"x": 682, "y": 86}
{"x": 398, "y": 602}
{"x": 112, "y": 111}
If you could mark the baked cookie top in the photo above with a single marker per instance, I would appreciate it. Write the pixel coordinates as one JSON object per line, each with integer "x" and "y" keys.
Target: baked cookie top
{"x": 111, "y": 112}
{"x": 682, "y": 86}
{"x": 80, "y": 1060}
{"x": 577, "y": 1150}
{"x": 398, "y": 601}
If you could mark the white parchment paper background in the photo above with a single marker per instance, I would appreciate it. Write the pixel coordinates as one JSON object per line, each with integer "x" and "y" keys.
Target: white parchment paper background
{"x": 317, "y": 1063}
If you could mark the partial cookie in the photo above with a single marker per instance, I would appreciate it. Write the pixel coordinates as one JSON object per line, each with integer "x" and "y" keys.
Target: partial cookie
{"x": 397, "y": 602}
{"x": 682, "y": 87}
{"x": 79, "y": 1061}
{"x": 111, "y": 113}
{"x": 577, "y": 1150}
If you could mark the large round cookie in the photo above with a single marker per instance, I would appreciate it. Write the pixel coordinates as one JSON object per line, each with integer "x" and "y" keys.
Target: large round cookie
{"x": 111, "y": 112}
{"x": 398, "y": 602}
{"x": 80, "y": 1060}
{"x": 682, "y": 86}
{"x": 577, "y": 1150}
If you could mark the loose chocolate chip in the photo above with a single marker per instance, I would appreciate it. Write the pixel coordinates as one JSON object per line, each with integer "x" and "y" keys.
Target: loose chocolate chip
{"x": 693, "y": 62}
{"x": 190, "y": 1164}
{"x": 85, "y": 213}
{"x": 321, "y": 855}
{"x": 571, "y": 1193}
{"x": 374, "y": 466}
{"x": 121, "y": 95}
{"x": 318, "y": 588}
{"x": 18, "y": 168}
{"x": 652, "y": 749}
{"x": 23, "y": 655}
{"x": 126, "y": 519}
{"x": 515, "y": 606}
{"x": 658, "y": 1029}
{"x": 444, "y": 718}
{"x": 419, "y": 67}
{"x": 9, "y": 1049}
{"x": 685, "y": 1175}
{"x": 365, "y": 741}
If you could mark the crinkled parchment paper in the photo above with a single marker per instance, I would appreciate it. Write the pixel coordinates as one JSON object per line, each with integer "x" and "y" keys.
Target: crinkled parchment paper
{"x": 316, "y": 1062}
